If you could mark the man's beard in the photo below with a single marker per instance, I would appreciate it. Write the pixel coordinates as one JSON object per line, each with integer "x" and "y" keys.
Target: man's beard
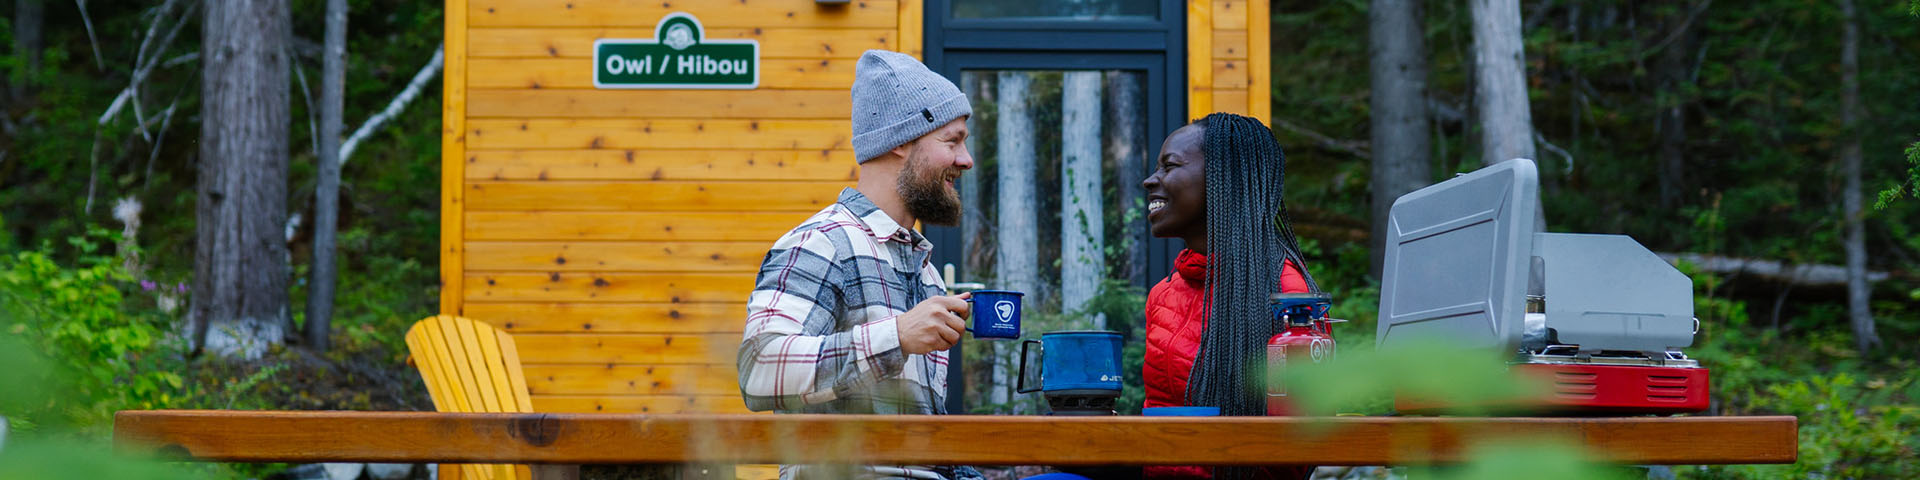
{"x": 927, "y": 196}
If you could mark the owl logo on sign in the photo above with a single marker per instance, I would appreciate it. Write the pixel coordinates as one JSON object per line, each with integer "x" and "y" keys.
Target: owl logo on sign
{"x": 679, "y": 36}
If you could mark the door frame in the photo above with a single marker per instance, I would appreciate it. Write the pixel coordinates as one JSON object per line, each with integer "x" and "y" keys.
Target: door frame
{"x": 1156, "y": 47}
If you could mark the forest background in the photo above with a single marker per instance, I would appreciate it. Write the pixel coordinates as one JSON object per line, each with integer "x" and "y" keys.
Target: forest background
{"x": 1694, "y": 126}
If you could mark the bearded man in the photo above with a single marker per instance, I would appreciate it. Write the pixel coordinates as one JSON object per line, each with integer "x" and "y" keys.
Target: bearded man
{"x": 848, "y": 314}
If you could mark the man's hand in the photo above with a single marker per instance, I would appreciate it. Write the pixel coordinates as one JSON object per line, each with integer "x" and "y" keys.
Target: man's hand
{"x": 934, "y": 324}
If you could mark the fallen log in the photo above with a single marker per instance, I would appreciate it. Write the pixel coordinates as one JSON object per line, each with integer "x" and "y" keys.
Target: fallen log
{"x": 1798, "y": 274}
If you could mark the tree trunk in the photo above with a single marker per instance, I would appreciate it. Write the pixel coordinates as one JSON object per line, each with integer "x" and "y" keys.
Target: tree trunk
{"x": 1018, "y": 232}
{"x": 972, "y": 244}
{"x": 326, "y": 201}
{"x": 1671, "y": 105}
{"x": 1858, "y": 292}
{"x": 1500, "y": 82}
{"x": 1126, "y": 142}
{"x": 973, "y": 216}
{"x": 1082, "y": 232}
{"x": 240, "y": 255}
{"x": 1397, "y": 44}
{"x": 29, "y": 16}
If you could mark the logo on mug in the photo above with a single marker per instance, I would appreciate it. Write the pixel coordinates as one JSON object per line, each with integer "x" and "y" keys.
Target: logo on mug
{"x": 1005, "y": 309}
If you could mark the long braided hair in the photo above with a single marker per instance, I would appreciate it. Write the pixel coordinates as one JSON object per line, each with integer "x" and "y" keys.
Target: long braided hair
{"x": 1248, "y": 236}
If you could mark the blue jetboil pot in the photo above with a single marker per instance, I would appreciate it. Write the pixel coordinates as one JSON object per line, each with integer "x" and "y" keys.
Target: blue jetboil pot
{"x": 1079, "y": 371}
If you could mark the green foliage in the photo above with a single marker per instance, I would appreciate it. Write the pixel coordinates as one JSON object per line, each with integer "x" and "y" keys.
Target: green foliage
{"x": 1365, "y": 381}
{"x": 1526, "y": 459}
{"x": 60, "y": 459}
{"x": 1761, "y": 179}
{"x": 78, "y": 318}
{"x": 1911, "y": 186}
{"x": 1849, "y": 428}
{"x": 79, "y": 340}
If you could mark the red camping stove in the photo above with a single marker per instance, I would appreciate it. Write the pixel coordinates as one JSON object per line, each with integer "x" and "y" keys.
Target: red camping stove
{"x": 1598, "y": 317}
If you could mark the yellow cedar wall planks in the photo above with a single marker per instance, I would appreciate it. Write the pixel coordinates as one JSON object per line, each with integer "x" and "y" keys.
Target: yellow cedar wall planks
{"x": 1260, "y": 60}
{"x": 738, "y": 257}
{"x": 614, "y": 232}
{"x": 775, "y": 43}
{"x": 635, "y": 226}
{"x": 616, "y": 349}
{"x": 1229, "y": 75}
{"x": 642, "y": 404}
{"x": 1228, "y": 64}
{"x": 631, "y": 379}
{"x": 833, "y": 74}
{"x": 1199, "y": 58}
{"x": 608, "y": 287}
{"x": 1227, "y": 45}
{"x": 453, "y": 118}
{"x": 662, "y": 165}
{"x": 712, "y": 14}
{"x": 629, "y": 317}
{"x": 912, "y": 28}
{"x": 623, "y": 133}
{"x": 635, "y": 196}
{"x": 690, "y": 104}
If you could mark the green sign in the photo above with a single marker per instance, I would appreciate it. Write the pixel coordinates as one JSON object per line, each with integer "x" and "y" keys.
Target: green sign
{"x": 677, "y": 57}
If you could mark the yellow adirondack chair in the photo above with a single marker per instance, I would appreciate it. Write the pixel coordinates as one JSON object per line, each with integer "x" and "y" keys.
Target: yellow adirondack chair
{"x": 470, "y": 366}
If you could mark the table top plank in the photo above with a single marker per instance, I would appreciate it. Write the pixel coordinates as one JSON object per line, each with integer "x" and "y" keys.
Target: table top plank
{"x": 316, "y": 436}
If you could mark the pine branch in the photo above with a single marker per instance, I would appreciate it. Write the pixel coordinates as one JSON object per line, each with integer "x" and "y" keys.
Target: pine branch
{"x": 1356, "y": 148}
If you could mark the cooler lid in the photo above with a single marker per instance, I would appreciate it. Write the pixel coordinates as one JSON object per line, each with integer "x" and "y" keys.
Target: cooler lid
{"x": 1458, "y": 259}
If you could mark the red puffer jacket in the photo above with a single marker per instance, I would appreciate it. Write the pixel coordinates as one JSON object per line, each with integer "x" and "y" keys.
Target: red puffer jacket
{"x": 1176, "y": 314}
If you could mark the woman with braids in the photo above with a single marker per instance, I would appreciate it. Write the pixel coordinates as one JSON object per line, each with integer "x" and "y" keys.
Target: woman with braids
{"x": 1218, "y": 185}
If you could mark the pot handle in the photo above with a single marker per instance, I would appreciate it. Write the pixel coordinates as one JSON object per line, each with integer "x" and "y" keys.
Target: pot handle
{"x": 1020, "y": 381}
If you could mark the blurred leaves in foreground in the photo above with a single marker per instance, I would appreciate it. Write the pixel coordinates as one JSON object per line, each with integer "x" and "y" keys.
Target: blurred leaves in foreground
{"x": 35, "y": 452}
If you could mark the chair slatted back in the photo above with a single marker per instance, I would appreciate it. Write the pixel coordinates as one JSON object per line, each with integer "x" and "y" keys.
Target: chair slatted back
{"x": 470, "y": 366}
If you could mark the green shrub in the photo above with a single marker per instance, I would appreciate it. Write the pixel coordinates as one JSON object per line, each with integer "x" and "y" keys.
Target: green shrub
{"x": 77, "y": 319}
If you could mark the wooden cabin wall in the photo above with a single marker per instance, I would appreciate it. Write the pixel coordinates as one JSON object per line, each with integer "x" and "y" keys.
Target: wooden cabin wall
{"x": 1229, "y": 58}
{"x": 616, "y": 233}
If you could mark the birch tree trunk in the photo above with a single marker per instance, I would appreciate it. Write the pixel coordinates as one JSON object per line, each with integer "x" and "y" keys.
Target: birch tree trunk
{"x": 1126, "y": 142}
{"x": 1082, "y": 233}
{"x": 1858, "y": 291}
{"x": 326, "y": 201}
{"x": 1397, "y": 45}
{"x": 1500, "y": 82}
{"x": 1018, "y": 223}
{"x": 240, "y": 255}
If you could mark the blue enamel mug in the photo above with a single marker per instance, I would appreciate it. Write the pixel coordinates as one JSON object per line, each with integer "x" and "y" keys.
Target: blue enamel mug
{"x": 996, "y": 314}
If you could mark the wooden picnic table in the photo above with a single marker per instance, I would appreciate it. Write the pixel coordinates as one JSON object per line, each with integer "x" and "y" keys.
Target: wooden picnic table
{"x": 585, "y": 438}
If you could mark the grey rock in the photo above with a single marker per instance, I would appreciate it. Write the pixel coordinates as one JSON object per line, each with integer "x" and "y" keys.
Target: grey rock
{"x": 311, "y": 471}
{"x": 343, "y": 471}
{"x": 389, "y": 471}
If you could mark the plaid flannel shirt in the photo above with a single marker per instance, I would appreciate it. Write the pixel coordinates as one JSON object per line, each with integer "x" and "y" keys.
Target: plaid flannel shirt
{"x": 820, "y": 334}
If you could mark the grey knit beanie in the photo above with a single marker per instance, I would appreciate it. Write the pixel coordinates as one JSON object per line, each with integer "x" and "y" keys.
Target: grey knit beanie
{"x": 896, "y": 99}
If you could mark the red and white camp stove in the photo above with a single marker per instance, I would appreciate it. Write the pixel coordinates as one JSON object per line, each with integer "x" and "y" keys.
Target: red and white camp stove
{"x": 1599, "y": 317}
